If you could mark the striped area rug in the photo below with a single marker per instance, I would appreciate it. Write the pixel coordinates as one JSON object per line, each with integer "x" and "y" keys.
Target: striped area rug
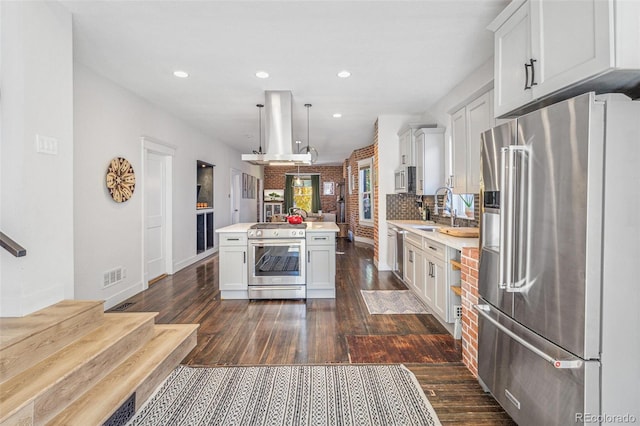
{"x": 289, "y": 395}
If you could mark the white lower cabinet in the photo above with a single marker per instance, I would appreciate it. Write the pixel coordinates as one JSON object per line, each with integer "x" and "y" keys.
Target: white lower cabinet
{"x": 428, "y": 274}
{"x": 321, "y": 265}
{"x": 440, "y": 301}
{"x": 413, "y": 266}
{"x": 233, "y": 266}
{"x": 435, "y": 276}
{"x": 412, "y": 257}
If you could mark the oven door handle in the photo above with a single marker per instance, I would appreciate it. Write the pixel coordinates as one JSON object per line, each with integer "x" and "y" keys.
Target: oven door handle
{"x": 273, "y": 287}
{"x": 275, "y": 242}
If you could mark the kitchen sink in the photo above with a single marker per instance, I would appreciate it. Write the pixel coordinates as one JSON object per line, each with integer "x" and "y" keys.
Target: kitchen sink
{"x": 426, "y": 228}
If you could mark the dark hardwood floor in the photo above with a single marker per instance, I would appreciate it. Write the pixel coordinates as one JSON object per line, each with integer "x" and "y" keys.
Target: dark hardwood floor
{"x": 235, "y": 332}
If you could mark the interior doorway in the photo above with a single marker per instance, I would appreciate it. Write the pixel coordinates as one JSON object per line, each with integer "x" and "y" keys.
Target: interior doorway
{"x": 157, "y": 216}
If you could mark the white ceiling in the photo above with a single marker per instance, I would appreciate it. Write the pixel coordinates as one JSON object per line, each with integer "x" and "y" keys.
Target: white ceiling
{"x": 403, "y": 55}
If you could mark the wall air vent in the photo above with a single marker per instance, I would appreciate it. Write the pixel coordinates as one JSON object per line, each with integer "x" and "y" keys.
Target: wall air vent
{"x": 113, "y": 276}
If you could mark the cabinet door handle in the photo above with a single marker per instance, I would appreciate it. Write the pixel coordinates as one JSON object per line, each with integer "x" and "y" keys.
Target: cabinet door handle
{"x": 528, "y": 86}
{"x": 319, "y": 238}
{"x": 233, "y": 239}
{"x": 433, "y": 248}
{"x": 244, "y": 257}
{"x": 308, "y": 256}
{"x": 404, "y": 161}
{"x": 431, "y": 265}
{"x": 421, "y": 185}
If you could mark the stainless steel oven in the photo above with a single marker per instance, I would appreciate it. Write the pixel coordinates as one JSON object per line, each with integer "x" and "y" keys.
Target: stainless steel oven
{"x": 277, "y": 259}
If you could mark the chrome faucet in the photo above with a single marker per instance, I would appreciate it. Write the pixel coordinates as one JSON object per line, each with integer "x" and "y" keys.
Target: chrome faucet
{"x": 449, "y": 195}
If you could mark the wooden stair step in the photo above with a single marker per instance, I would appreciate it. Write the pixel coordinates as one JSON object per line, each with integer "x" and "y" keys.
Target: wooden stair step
{"x": 58, "y": 380}
{"x": 28, "y": 340}
{"x": 141, "y": 373}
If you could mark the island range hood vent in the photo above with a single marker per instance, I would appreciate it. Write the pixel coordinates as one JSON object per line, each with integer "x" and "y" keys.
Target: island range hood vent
{"x": 278, "y": 132}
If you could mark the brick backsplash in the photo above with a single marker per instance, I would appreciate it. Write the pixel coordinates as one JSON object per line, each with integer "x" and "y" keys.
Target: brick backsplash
{"x": 402, "y": 207}
{"x": 405, "y": 207}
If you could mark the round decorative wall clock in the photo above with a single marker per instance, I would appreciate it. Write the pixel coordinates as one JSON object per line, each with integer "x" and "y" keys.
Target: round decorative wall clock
{"x": 121, "y": 180}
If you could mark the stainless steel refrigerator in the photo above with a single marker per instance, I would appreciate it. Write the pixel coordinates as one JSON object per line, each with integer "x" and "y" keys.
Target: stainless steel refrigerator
{"x": 559, "y": 329}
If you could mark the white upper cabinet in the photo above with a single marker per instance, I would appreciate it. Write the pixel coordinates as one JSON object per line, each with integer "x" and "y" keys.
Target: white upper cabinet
{"x": 512, "y": 54}
{"x": 429, "y": 153}
{"x": 459, "y": 141}
{"x": 467, "y": 125}
{"x": 406, "y": 141}
{"x": 556, "y": 49}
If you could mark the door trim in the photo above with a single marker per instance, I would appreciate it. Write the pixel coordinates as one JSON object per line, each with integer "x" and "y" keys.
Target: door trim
{"x": 234, "y": 193}
{"x": 158, "y": 147}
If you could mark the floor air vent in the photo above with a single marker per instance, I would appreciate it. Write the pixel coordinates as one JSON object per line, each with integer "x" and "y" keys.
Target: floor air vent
{"x": 123, "y": 306}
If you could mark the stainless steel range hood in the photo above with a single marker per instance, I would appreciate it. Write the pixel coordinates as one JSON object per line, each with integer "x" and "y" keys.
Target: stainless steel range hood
{"x": 278, "y": 132}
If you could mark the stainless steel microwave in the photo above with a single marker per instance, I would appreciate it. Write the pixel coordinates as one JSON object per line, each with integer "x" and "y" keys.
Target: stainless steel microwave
{"x": 405, "y": 180}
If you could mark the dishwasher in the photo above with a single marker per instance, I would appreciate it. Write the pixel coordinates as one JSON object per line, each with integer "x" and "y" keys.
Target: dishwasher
{"x": 395, "y": 237}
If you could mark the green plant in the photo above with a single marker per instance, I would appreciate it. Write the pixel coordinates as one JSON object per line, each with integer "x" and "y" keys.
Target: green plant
{"x": 467, "y": 199}
{"x": 274, "y": 195}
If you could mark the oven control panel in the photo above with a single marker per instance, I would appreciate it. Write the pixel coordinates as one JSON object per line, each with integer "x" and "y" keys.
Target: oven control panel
{"x": 276, "y": 233}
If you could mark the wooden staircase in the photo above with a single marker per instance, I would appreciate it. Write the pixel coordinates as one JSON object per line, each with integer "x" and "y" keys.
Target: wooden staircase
{"x": 73, "y": 364}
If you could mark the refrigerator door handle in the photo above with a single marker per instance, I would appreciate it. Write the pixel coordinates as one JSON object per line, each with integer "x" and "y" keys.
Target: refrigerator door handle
{"x": 518, "y": 167}
{"x": 504, "y": 266}
{"x": 512, "y": 216}
{"x": 557, "y": 363}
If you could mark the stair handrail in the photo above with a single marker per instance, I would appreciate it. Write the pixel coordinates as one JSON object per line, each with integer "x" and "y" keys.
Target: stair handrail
{"x": 11, "y": 246}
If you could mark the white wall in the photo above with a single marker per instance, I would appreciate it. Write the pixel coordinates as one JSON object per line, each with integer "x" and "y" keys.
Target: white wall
{"x": 109, "y": 122}
{"x": 36, "y": 207}
{"x": 478, "y": 82}
{"x": 475, "y": 84}
{"x": 388, "y": 154}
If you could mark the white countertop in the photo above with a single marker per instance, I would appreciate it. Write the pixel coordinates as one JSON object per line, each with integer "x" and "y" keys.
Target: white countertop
{"x": 457, "y": 243}
{"x": 311, "y": 227}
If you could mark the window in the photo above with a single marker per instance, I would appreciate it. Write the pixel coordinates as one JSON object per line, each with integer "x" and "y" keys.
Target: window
{"x": 463, "y": 205}
{"x": 365, "y": 193}
{"x": 302, "y": 193}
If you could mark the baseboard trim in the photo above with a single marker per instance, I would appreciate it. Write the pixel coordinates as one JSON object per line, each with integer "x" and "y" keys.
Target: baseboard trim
{"x": 177, "y": 266}
{"x": 123, "y": 295}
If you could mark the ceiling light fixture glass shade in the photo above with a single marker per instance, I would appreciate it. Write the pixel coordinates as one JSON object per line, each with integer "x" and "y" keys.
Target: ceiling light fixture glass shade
{"x": 337, "y": 115}
{"x": 262, "y": 74}
{"x": 344, "y": 74}
{"x": 181, "y": 74}
{"x": 297, "y": 181}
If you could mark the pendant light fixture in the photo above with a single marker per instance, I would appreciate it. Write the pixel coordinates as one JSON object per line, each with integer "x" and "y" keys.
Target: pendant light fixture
{"x": 297, "y": 181}
{"x": 310, "y": 149}
{"x": 260, "y": 106}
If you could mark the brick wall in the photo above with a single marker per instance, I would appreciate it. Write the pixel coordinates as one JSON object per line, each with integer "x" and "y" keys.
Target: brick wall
{"x": 274, "y": 177}
{"x": 469, "y": 284}
{"x": 352, "y": 199}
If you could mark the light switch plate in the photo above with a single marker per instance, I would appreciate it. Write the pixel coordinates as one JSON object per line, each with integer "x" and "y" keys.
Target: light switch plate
{"x": 46, "y": 145}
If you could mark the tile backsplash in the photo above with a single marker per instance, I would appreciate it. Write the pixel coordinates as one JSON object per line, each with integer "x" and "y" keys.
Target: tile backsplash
{"x": 405, "y": 207}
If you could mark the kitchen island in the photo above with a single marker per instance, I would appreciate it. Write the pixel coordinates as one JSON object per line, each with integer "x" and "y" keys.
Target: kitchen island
{"x": 305, "y": 267}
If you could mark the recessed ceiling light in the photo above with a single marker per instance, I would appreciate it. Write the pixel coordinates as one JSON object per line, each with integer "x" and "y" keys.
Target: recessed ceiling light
{"x": 181, "y": 74}
{"x": 337, "y": 115}
{"x": 344, "y": 74}
{"x": 262, "y": 74}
